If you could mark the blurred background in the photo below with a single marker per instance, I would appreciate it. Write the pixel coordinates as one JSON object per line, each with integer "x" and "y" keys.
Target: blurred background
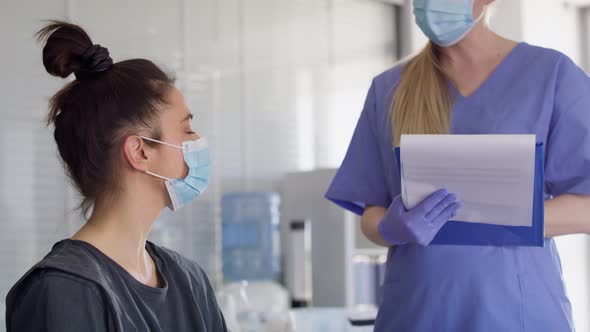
{"x": 277, "y": 87}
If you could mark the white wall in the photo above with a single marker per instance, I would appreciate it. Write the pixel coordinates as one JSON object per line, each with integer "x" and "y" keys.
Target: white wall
{"x": 413, "y": 39}
{"x": 553, "y": 24}
{"x": 507, "y": 19}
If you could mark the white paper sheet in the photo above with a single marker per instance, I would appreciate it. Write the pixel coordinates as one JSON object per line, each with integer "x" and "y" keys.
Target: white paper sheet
{"x": 493, "y": 175}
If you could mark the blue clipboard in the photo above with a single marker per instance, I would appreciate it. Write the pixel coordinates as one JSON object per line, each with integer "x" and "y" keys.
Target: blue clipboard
{"x": 464, "y": 233}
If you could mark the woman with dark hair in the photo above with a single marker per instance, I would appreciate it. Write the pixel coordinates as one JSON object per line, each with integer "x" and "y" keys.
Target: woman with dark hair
{"x": 124, "y": 133}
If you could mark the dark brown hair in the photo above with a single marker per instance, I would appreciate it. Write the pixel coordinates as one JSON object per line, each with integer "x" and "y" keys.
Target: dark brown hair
{"x": 103, "y": 105}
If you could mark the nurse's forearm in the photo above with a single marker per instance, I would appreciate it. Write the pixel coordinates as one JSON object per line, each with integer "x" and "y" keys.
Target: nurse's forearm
{"x": 370, "y": 224}
{"x": 567, "y": 214}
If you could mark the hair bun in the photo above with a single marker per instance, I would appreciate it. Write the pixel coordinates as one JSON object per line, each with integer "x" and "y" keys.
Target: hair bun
{"x": 68, "y": 49}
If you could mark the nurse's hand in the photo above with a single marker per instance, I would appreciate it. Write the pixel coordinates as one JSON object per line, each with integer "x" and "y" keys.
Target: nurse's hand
{"x": 420, "y": 224}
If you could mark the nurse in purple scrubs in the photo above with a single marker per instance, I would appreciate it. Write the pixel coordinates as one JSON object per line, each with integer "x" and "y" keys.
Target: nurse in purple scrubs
{"x": 468, "y": 80}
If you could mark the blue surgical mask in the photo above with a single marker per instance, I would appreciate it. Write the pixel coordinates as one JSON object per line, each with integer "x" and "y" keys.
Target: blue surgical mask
{"x": 445, "y": 22}
{"x": 196, "y": 156}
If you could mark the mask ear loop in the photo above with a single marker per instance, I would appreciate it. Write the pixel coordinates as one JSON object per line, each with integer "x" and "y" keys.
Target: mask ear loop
{"x": 482, "y": 15}
{"x": 168, "y": 144}
{"x": 158, "y": 176}
{"x": 156, "y": 141}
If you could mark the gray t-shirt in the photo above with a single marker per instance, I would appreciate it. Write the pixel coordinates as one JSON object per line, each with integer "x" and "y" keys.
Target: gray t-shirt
{"x": 78, "y": 288}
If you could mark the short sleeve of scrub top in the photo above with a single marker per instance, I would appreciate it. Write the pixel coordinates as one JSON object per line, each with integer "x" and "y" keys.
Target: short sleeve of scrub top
{"x": 360, "y": 179}
{"x": 567, "y": 168}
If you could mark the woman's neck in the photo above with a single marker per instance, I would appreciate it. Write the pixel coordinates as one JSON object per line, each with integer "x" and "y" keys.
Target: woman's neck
{"x": 479, "y": 45}
{"x": 470, "y": 62}
{"x": 119, "y": 227}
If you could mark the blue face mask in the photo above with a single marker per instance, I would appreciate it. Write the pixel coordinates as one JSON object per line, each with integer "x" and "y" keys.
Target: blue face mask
{"x": 445, "y": 22}
{"x": 196, "y": 156}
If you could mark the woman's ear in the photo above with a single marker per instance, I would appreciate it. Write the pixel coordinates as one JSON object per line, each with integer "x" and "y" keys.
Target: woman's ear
{"x": 136, "y": 153}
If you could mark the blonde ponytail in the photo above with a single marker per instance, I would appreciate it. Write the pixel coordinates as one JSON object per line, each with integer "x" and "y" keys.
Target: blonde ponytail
{"x": 422, "y": 103}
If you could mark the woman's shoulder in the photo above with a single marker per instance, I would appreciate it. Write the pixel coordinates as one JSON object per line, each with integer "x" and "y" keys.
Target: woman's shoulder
{"x": 381, "y": 90}
{"x": 540, "y": 51}
{"x": 66, "y": 265}
{"x": 52, "y": 299}
{"x": 180, "y": 269}
{"x": 46, "y": 285}
{"x": 173, "y": 259}
{"x": 555, "y": 68}
{"x": 543, "y": 59}
{"x": 540, "y": 60}
{"x": 529, "y": 53}
{"x": 73, "y": 257}
{"x": 387, "y": 81}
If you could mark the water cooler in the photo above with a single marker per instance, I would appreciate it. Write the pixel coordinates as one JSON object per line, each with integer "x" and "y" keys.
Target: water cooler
{"x": 346, "y": 269}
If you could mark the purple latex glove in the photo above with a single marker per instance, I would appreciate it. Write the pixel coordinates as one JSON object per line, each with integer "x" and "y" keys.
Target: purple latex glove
{"x": 420, "y": 224}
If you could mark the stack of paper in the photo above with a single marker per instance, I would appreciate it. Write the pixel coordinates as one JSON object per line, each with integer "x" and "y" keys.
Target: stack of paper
{"x": 491, "y": 174}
